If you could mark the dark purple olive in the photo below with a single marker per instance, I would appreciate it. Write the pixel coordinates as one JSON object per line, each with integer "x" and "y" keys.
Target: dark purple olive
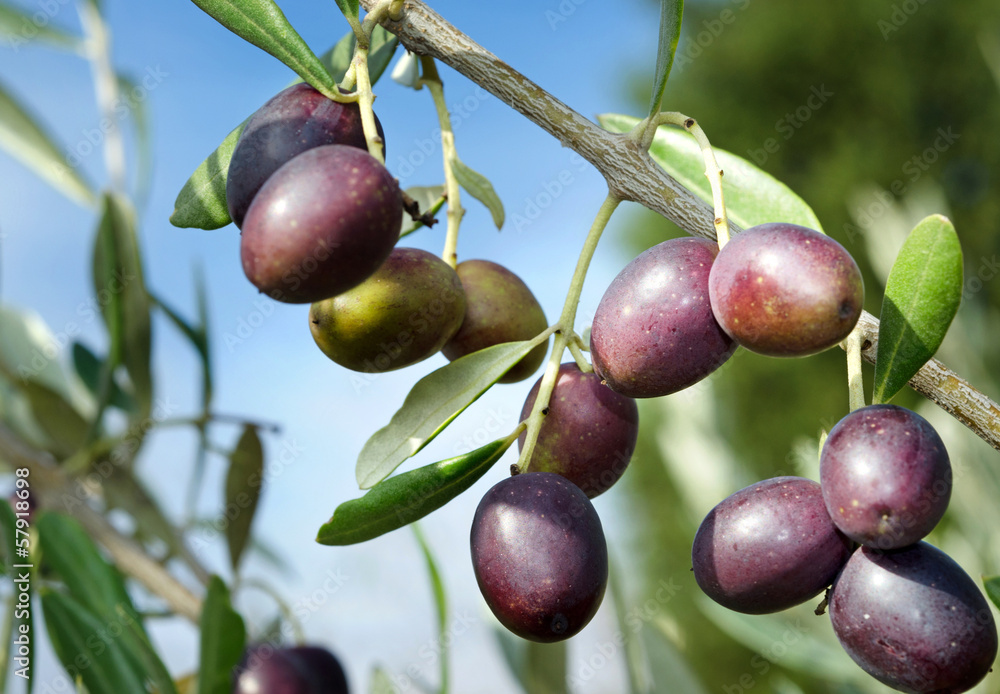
{"x": 885, "y": 475}
{"x": 499, "y": 308}
{"x": 323, "y": 223}
{"x": 768, "y": 547}
{"x": 539, "y": 555}
{"x": 589, "y": 433}
{"x": 323, "y": 671}
{"x": 265, "y": 669}
{"x": 785, "y": 290}
{"x": 293, "y": 121}
{"x": 914, "y": 620}
{"x": 654, "y": 332}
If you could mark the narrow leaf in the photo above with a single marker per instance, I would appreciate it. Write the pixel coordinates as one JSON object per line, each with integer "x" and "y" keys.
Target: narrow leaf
{"x": 480, "y": 188}
{"x": 223, "y": 637}
{"x": 440, "y": 602}
{"x": 399, "y": 500}
{"x": 670, "y": 670}
{"x": 18, "y": 28}
{"x": 349, "y": 8}
{"x": 83, "y": 645}
{"x": 62, "y": 423}
{"x": 27, "y": 142}
{"x": 540, "y": 668}
{"x": 202, "y": 201}
{"x": 635, "y": 657}
{"x": 992, "y": 585}
{"x": 432, "y": 404}
{"x": 139, "y": 111}
{"x": 671, "y": 12}
{"x": 425, "y": 197}
{"x": 88, "y": 367}
{"x": 921, "y": 297}
{"x": 243, "y": 486}
{"x": 121, "y": 293}
{"x": 752, "y": 196}
{"x": 381, "y": 683}
{"x": 262, "y": 23}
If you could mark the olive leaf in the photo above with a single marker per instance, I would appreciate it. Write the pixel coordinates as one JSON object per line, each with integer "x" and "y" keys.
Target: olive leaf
{"x": 752, "y": 196}
{"x": 480, "y": 188}
{"x": 18, "y": 27}
{"x": 671, "y": 12}
{"x": 540, "y": 668}
{"x": 243, "y": 487}
{"x": 223, "y": 637}
{"x": 400, "y": 500}
{"x": 992, "y": 585}
{"x": 922, "y": 295}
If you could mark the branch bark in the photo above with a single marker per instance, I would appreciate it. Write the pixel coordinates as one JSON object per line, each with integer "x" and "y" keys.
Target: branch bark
{"x": 632, "y": 175}
{"x": 55, "y": 490}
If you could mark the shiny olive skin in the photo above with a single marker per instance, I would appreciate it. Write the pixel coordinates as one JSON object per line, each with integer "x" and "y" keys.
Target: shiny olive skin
{"x": 785, "y": 291}
{"x": 322, "y": 224}
{"x": 539, "y": 555}
{"x": 914, "y": 620}
{"x": 403, "y": 314}
{"x": 886, "y": 476}
{"x": 654, "y": 332}
{"x": 499, "y": 308}
{"x": 589, "y": 433}
{"x": 768, "y": 547}
{"x": 264, "y": 669}
{"x": 294, "y": 120}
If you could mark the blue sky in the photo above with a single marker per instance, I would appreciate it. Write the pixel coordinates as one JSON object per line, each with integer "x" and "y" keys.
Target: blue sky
{"x": 370, "y": 604}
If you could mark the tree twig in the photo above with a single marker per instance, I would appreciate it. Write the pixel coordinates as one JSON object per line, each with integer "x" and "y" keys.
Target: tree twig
{"x": 632, "y": 175}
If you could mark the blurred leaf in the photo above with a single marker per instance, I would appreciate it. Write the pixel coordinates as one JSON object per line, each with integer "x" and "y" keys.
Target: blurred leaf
{"x": 223, "y": 637}
{"x": 381, "y": 683}
{"x": 139, "y": 112}
{"x": 197, "y": 336}
{"x": 540, "y": 668}
{"x": 18, "y": 27}
{"x": 8, "y": 526}
{"x": 65, "y": 427}
{"x": 121, "y": 292}
{"x": 671, "y": 12}
{"x": 440, "y": 602}
{"x": 992, "y": 585}
{"x": 752, "y": 196}
{"x": 201, "y": 204}
{"x": 668, "y": 667}
{"x": 262, "y": 23}
{"x": 480, "y": 188}
{"x": 921, "y": 297}
{"x": 349, "y": 8}
{"x": 433, "y": 402}
{"x": 243, "y": 487}
{"x": 81, "y": 641}
{"x": 400, "y": 500}
{"x": 25, "y": 140}
{"x": 635, "y": 657}
{"x": 425, "y": 197}
{"x": 88, "y": 367}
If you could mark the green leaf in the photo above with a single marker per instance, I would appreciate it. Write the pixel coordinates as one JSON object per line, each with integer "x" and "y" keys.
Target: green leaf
{"x": 399, "y": 500}
{"x": 671, "y": 12}
{"x": 992, "y": 585}
{"x": 380, "y": 51}
{"x": 668, "y": 667}
{"x": 921, "y": 297}
{"x": 17, "y": 27}
{"x": 88, "y": 367}
{"x": 139, "y": 111}
{"x": 480, "y": 188}
{"x": 381, "y": 683}
{"x": 243, "y": 486}
{"x": 8, "y": 526}
{"x": 223, "y": 637}
{"x": 540, "y": 668}
{"x": 426, "y": 198}
{"x": 262, "y": 23}
{"x": 62, "y": 423}
{"x": 440, "y": 602}
{"x": 84, "y": 646}
{"x": 201, "y": 204}
{"x": 752, "y": 196}
{"x": 349, "y": 8}
{"x": 27, "y": 142}
{"x": 121, "y": 293}
{"x": 431, "y": 405}
{"x": 635, "y": 657}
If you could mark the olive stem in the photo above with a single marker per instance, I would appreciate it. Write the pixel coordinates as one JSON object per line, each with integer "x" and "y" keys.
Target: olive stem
{"x": 581, "y": 360}
{"x": 855, "y": 379}
{"x": 712, "y": 169}
{"x": 432, "y": 80}
{"x": 365, "y": 100}
{"x": 565, "y": 334}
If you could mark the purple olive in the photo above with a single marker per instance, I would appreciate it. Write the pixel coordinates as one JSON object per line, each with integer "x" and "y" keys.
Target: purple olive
{"x": 768, "y": 547}
{"x": 785, "y": 291}
{"x": 885, "y": 475}
{"x": 323, "y": 223}
{"x": 265, "y": 669}
{"x": 914, "y": 620}
{"x": 499, "y": 308}
{"x": 293, "y": 121}
{"x": 654, "y": 332}
{"x": 539, "y": 555}
{"x": 589, "y": 433}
